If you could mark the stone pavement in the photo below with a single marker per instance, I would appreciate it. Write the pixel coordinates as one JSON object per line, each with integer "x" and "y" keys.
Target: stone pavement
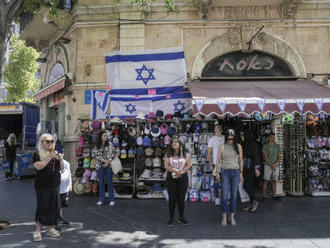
{"x": 294, "y": 222}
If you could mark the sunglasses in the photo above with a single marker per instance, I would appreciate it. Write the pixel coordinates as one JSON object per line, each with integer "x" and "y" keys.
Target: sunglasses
{"x": 231, "y": 139}
{"x": 49, "y": 142}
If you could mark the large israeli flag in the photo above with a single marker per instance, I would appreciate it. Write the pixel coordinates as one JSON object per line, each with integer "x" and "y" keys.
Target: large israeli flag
{"x": 122, "y": 106}
{"x": 162, "y": 69}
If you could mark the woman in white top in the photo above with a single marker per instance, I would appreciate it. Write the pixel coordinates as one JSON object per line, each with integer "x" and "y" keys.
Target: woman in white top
{"x": 65, "y": 188}
{"x": 177, "y": 163}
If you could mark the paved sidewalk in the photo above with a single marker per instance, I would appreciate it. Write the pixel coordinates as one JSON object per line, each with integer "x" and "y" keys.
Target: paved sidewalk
{"x": 294, "y": 222}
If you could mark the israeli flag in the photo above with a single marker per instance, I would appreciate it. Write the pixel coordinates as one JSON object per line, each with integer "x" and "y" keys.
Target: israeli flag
{"x": 99, "y": 106}
{"x": 146, "y": 69}
{"x": 123, "y": 106}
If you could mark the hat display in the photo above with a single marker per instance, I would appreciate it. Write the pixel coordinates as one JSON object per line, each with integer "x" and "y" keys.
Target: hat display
{"x": 129, "y": 119}
{"x": 116, "y": 130}
{"x": 148, "y": 162}
{"x": 204, "y": 126}
{"x": 155, "y": 142}
{"x": 149, "y": 151}
{"x": 197, "y": 128}
{"x": 96, "y": 126}
{"x": 171, "y": 129}
{"x": 141, "y": 116}
{"x": 167, "y": 140}
{"x": 186, "y": 117}
{"x": 93, "y": 163}
{"x": 93, "y": 175}
{"x": 78, "y": 188}
{"x": 155, "y": 131}
{"x": 123, "y": 143}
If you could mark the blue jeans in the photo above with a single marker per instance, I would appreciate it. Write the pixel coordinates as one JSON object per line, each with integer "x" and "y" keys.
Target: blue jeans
{"x": 229, "y": 185}
{"x": 216, "y": 187}
{"x": 105, "y": 174}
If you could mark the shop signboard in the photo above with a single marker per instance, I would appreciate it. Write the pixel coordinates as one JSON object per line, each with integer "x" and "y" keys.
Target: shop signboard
{"x": 246, "y": 64}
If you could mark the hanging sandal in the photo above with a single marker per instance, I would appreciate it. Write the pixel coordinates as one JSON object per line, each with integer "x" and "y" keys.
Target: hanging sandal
{"x": 37, "y": 236}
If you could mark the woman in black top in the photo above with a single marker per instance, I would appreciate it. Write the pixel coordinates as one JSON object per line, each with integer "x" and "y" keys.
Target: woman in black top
{"x": 10, "y": 153}
{"x": 48, "y": 163}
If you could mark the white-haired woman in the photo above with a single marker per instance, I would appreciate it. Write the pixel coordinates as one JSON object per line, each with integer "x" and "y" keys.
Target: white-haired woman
{"x": 48, "y": 163}
{"x": 10, "y": 154}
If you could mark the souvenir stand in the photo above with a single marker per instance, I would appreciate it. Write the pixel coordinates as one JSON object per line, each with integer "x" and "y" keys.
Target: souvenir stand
{"x": 291, "y": 103}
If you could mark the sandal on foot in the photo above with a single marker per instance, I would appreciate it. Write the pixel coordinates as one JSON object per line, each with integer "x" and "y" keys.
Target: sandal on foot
{"x": 53, "y": 233}
{"x": 224, "y": 222}
{"x": 37, "y": 236}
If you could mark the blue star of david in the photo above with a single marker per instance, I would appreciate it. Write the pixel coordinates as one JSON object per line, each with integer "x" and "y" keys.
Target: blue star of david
{"x": 140, "y": 77}
{"x": 130, "y": 108}
{"x": 179, "y": 106}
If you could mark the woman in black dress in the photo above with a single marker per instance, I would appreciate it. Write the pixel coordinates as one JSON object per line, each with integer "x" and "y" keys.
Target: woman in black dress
{"x": 10, "y": 154}
{"x": 48, "y": 163}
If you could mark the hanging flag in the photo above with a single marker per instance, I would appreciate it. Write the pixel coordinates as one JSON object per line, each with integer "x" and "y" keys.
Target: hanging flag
{"x": 99, "y": 106}
{"x": 222, "y": 105}
{"x": 261, "y": 104}
{"x": 146, "y": 69}
{"x": 281, "y": 104}
{"x": 199, "y": 104}
{"x": 241, "y": 104}
{"x": 319, "y": 103}
{"x": 300, "y": 103}
{"x": 123, "y": 106}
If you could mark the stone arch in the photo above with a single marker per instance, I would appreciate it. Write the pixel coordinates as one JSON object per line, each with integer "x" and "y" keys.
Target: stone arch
{"x": 236, "y": 39}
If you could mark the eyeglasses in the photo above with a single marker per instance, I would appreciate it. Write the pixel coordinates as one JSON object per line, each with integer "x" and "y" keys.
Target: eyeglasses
{"x": 49, "y": 142}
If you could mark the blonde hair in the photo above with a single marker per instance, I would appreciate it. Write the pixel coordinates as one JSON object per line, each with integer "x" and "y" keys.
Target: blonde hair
{"x": 43, "y": 153}
{"x": 9, "y": 139}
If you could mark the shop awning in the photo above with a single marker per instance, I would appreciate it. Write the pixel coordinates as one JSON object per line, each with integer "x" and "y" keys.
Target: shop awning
{"x": 247, "y": 97}
{"x": 50, "y": 89}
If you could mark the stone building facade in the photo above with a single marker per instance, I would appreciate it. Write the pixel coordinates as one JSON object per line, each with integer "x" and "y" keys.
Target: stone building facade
{"x": 298, "y": 32}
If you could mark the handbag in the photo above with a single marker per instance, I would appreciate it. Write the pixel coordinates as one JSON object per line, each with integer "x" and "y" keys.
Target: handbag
{"x": 116, "y": 165}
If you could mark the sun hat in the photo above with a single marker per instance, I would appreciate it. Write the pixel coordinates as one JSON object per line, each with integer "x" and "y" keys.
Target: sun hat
{"x": 148, "y": 162}
{"x": 131, "y": 153}
{"x": 139, "y": 151}
{"x": 168, "y": 117}
{"x": 116, "y": 130}
{"x": 115, "y": 120}
{"x": 171, "y": 129}
{"x": 141, "y": 116}
{"x": 186, "y": 117}
{"x": 93, "y": 163}
{"x": 87, "y": 162}
{"x": 156, "y": 162}
{"x": 124, "y": 143}
{"x": 151, "y": 116}
{"x": 149, "y": 151}
{"x": 155, "y": 131}
{"x": 139, "y": 141}
{"x": 132, "y": 131}
{"x": 167, "y": 140}
{"x": 158, "y": 152}
{"x": 115, "y": 141}
{"x": 123, "y": 154}
{"x": 155, "y": 142}
{"x": 78, "y": 188}
{"x": 147, "y": 129}
{"x": 159, "y": 114}
{"x": 147, "y": 141}
{"x": 93, "y": 175}
{"x": 163, "y": 128}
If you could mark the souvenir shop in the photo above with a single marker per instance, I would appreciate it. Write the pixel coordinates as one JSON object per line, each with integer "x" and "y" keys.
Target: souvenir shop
{"x": 301, "y": 125}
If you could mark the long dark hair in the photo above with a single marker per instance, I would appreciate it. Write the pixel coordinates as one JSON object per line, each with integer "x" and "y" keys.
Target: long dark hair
{"x": 171, "y": 152}
{"x": 247, "y": 144}
{"x": 99, "y": 140}
{"x": 231, "y": 132}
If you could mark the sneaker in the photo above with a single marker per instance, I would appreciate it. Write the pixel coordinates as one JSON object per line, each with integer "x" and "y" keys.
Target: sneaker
{"x": 37, "y": 236}
{"x": 53, "y": 233}
{"x": 170, "y": 222}
{"x": 112, "y": 203}
{"x": 217, "y": 201}
{"x": 182, "y": 221}
{"x": 99, "y": 203}
{"x": 255, "y": 205}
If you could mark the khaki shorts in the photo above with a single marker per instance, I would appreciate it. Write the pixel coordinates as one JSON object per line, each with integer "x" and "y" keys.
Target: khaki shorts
{"x": 269, "y": 174}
